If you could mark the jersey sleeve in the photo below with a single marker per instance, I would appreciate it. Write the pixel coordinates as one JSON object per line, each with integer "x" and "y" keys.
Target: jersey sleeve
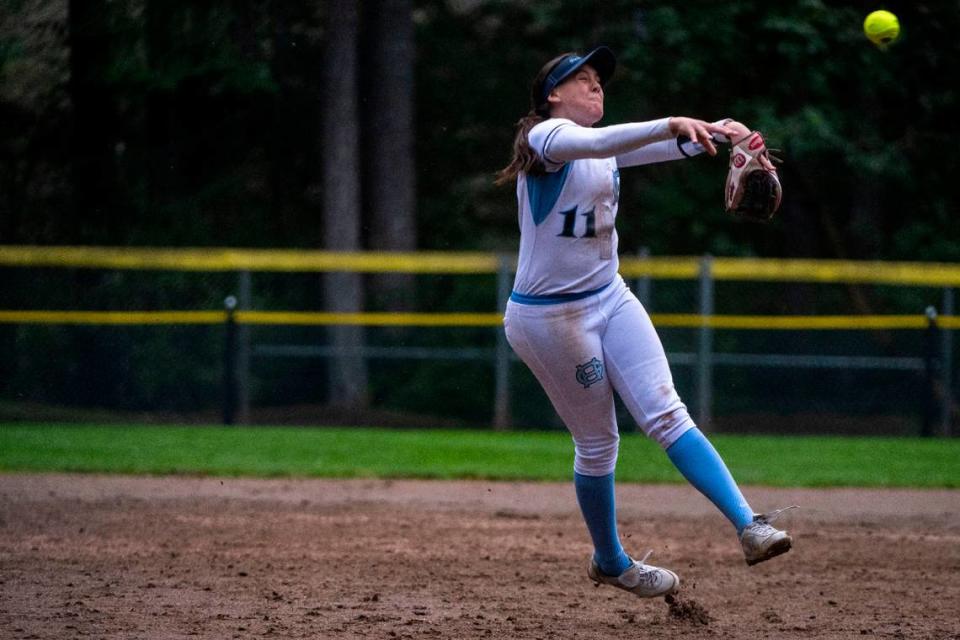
{"x": 662, "y": 151}
{"x": 574, "y": 143}
{"x": 541, "y": 136}
{"x": 675, "y": 149}
{"x": 558, "y": 140}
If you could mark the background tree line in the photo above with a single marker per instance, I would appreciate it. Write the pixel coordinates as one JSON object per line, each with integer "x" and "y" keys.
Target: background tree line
{"x": 378, "y": 125}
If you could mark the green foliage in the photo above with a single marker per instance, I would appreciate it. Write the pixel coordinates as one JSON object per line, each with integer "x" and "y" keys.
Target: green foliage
{"x": 204, "y": 121}
{"x": 385, "y": 453}
{"x": 849, "y": 117}
{"x": 225, "y": 95}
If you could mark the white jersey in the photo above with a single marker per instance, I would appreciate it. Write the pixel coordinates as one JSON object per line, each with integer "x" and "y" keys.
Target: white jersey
{"x": 568, "y": 239}
{"x": 567, "y": 235}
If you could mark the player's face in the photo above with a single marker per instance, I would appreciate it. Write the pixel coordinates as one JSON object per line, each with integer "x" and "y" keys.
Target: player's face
{"x": 579, "y": 98}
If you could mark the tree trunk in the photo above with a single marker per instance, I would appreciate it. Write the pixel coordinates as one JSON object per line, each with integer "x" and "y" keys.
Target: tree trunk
{"x": 159, "y": 130}
{"x": 389, "y": 144}
{"x": 341, "y": 198}
{"x": 94, "y": 137}
{"x": 93, "y": 150}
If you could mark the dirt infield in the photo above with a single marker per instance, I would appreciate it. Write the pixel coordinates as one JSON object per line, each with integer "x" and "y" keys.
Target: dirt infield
{"x": 120, "y": 557}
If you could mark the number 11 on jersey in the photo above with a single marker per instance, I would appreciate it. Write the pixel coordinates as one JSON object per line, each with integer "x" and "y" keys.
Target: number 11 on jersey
{"x": 570, "y": 219}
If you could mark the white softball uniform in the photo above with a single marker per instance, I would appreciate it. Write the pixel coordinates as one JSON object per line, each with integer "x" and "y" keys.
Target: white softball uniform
{"x": 571, "y": 317}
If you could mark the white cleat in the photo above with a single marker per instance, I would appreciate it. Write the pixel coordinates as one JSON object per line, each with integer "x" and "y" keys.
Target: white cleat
{"x": 643, "y": 580}
{"x": 760, "y": 541}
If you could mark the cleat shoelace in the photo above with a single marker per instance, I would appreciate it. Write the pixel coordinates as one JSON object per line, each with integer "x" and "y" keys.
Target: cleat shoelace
{"x": 769, "y": 517}
{"x": 761, "y": 523}
{"x": 643, "y": 560}
{"x": 648, "y": 576}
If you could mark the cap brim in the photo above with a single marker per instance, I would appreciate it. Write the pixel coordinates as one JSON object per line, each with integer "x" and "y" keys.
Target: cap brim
{"x": 603, "y": 62}
{"x": 600, "y": 59}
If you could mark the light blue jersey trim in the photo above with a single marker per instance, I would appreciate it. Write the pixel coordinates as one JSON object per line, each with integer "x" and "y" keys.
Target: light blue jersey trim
{"x": 560, "y": 298}
{"x": 544, "y": 191}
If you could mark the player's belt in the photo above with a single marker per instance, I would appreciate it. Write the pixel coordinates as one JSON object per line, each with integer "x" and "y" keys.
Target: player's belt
{"x": 556, "y": 298}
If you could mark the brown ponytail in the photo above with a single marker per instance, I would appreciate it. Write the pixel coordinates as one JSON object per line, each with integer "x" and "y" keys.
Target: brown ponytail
{"x": 525, "y": 158}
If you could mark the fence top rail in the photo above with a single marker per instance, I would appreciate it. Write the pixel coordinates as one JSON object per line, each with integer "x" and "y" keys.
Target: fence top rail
{"x": 226, "y": 259}
{"x": 933, "y": 274}
{"x": 461, "y": 319}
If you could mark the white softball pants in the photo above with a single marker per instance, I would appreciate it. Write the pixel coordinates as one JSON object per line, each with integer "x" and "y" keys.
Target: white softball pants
{"x": 584, "y": 350}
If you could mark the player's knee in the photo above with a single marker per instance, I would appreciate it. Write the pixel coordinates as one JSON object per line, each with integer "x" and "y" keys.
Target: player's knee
{"x": 596, "y": 456}
{"x": 670, "y": 425}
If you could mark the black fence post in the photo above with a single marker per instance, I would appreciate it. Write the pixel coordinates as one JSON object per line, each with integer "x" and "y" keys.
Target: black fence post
{"x": 230, "y": 362}
{"x": 931, "y": 359}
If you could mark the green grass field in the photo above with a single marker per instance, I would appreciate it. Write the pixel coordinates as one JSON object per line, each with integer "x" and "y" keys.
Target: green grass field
{"x": 388, "y": 453}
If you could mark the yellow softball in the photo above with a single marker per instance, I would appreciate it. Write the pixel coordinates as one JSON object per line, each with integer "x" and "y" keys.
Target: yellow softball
{"x": 881, "y": 27}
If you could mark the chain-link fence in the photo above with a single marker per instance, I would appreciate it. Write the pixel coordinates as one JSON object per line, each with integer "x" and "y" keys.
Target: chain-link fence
{"x": 240, "y": 336}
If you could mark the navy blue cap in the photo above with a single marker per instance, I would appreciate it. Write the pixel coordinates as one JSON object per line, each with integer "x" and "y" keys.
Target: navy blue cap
{"x": 601, "y": 59}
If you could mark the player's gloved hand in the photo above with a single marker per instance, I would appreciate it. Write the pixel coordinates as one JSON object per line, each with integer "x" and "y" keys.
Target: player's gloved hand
{"x": 752, "y": 190}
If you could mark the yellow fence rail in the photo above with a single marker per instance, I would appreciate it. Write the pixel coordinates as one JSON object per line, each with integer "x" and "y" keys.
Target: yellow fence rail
{"x": 218, "y": 259}
{"x": 931, "y": 274}
{"x": 272, "y": 260}
{"x": 707, "y": 270}
{"x": 371, "y": 319}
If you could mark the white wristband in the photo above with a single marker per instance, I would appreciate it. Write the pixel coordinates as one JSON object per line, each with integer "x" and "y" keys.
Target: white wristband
{"x": 689, "y": 148}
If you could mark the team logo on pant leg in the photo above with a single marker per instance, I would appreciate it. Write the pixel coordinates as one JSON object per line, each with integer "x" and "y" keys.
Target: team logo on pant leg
{"x": 590, "y": 372}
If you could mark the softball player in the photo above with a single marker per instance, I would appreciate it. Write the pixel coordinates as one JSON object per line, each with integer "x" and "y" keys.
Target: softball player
{"x": 573, "y": 321}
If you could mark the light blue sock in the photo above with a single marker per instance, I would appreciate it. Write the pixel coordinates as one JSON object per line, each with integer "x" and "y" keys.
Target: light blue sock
{"x": 703, "y": 467}
{"x": 598, "y": 505}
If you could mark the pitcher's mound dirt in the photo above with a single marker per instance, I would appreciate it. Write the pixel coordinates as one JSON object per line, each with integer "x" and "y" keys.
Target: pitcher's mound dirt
{"x": 210, "y": 558}
{"x": 688, "y": 610}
